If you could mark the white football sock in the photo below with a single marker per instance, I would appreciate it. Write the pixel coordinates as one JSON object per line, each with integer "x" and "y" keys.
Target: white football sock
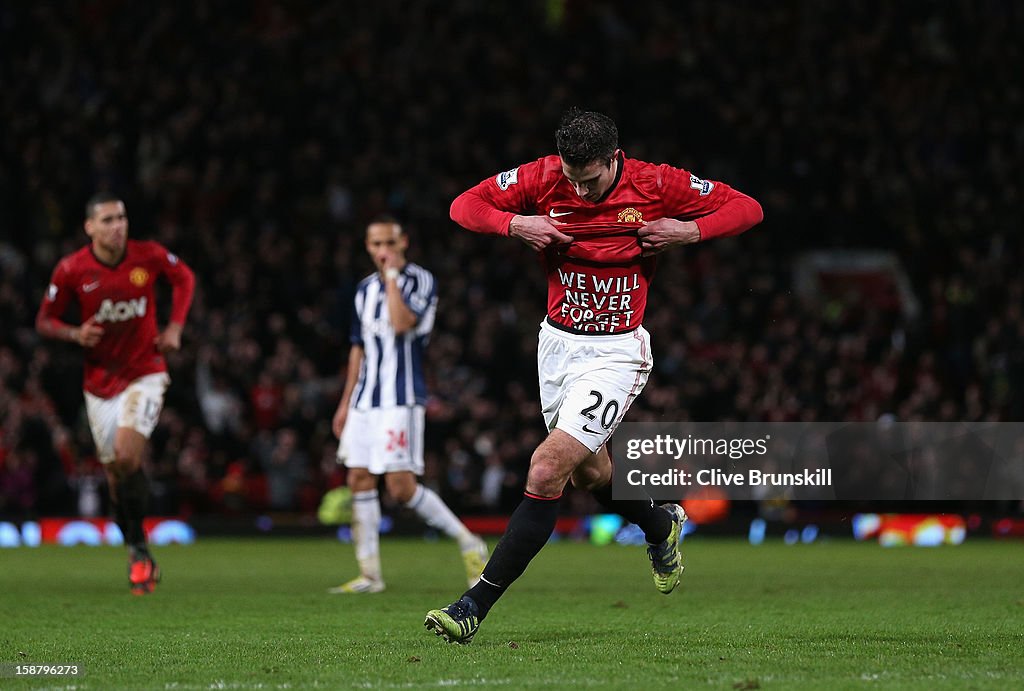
{"x": 432, "y": 509}
{"x": 366, "y": 532}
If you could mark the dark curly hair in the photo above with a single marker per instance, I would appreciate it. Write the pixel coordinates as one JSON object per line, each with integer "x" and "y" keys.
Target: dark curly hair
{"x": 583, "y": 137}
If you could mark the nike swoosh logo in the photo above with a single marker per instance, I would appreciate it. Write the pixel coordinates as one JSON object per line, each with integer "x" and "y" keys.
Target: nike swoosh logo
{"x": 556, "y": 214}
{"x": 590, "y": 431}
{"x": 89, "y": 287}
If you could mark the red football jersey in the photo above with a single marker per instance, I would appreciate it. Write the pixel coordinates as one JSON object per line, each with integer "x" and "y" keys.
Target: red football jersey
{"x": 122, "y": 299}
{"x": 598, "y": 284}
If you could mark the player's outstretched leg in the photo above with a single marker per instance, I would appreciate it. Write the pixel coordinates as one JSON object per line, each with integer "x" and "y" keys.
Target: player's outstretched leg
{"x": 528, "y": 530}
{"x": 666, "y": 562}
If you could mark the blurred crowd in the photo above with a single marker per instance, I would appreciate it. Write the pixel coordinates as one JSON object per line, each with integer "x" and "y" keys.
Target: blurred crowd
{"x": 256, "y": 139}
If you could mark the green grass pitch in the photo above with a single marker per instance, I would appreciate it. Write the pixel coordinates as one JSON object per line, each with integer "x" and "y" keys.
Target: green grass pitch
{"x": 254, "y": 614}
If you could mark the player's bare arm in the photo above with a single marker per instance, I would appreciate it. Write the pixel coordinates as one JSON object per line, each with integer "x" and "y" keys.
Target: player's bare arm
{"x": 538, "y": 231}
{"x": 355, "y": 363}
{"x": 86, "y": 335}
{"x": 658, "y": 236}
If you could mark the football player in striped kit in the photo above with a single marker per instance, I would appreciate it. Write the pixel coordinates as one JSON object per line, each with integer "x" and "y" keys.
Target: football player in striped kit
{"x": 380, "y": 419}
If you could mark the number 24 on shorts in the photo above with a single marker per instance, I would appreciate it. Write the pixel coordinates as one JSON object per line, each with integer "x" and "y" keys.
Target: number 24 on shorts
{"x": 397, "y": 439}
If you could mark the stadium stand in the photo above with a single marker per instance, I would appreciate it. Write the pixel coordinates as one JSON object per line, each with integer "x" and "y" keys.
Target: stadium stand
{"x": 258, "y": 147}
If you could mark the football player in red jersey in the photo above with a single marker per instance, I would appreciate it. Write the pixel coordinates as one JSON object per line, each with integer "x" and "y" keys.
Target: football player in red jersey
{"x": 598, "y": 220}
{"x": 112, "y": 279}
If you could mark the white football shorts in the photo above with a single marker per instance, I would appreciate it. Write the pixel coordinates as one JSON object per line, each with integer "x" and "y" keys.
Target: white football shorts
{"x": 384, "y": 440}
{"x": 588, "y": 382}
{"x": 137, "y": 407}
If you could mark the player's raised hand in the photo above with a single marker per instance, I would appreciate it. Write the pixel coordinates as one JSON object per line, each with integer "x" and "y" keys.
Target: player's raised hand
{"x": 538, "y": 231}
{"x": 658, "y": 236}
{"x": 169, "y": 339}
{"x": 89, "y": 333}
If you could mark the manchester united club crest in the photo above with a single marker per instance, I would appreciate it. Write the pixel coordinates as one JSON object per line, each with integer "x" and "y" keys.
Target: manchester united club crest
{"x": 138, "y": 276}
{"x": 630, "y": 215}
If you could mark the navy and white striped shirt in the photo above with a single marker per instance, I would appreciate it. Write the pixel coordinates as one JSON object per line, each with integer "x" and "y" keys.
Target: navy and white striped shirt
{"x": 392, "y": 370}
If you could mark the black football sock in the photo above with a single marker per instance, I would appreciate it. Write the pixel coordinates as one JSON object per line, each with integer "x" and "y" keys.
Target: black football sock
{"x": 528, "y": 531}
{"x": 132, "y": 504}
{"x": 119, "y": 518}
{"x": 653, "y": 520}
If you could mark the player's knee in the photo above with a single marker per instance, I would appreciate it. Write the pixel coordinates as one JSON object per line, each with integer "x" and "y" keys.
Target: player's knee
{"x": 401, "y": 487}
{"x": 127, "y": 456}
{"x": 360, "y": 480}
{"x": 546, "y": 476}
